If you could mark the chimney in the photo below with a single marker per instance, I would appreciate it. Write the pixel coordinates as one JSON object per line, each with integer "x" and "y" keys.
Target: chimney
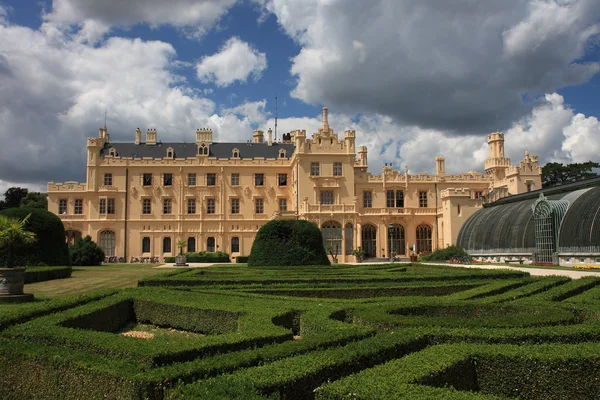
{"x": 203, "y": 136}
{"x": 150, "y": 137}
{"x": 270, "y": 137}
{"x": 440, "y": 165}
{"x": 138, "y": 136}
{"x": 258, "y": 136}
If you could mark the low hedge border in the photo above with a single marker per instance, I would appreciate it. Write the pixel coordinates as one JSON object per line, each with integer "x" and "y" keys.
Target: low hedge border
{"x": 42, "y": 274}
{"x": 200, "y": 259}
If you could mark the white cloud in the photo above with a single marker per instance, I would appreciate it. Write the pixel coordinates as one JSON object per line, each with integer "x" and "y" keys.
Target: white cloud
{"x": 235, "y": 61}
{"x": 254, "y": 111}
{"x": 3, "y": 15}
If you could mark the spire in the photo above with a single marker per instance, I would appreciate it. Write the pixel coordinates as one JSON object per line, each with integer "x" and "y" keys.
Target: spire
{"x": 325, "y": 122}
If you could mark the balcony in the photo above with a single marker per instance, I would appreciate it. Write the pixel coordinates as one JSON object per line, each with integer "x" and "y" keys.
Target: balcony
{"x": 329, "y": 208}
{"x": 108, "y": 188}
{"x": 71, "y": 217}
{"x": 326, "y": 181}
{"x": 400, "y": 211}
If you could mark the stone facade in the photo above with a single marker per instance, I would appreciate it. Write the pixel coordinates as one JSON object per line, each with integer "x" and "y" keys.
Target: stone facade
{"x": 140, "y": 198}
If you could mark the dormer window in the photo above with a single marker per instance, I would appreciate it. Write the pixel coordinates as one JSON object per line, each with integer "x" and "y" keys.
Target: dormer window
{"x": 282, "y": 153}
{"x": 235, "y": 153}
{"x": 112, "y": 152}
{"x": 203, "y": 150}
{"x": 170, "y": 153}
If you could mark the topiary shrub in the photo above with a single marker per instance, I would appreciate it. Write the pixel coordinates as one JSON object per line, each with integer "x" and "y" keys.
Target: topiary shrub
{"x": 449, "y": 253}
{"x": 50, "y": 247}
{"x": 285, "y": 243}
{"x": 86, "y": 252}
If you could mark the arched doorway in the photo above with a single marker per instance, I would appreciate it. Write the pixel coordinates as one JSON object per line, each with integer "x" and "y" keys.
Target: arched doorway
{"x": 107, "y": 243}
{"x": 72, "y": 236}
{"x": 369, "y": 240}
{"x": 349, "y": 238}
{"x": 397, "y": 240}
{"x": 424, "y": 239}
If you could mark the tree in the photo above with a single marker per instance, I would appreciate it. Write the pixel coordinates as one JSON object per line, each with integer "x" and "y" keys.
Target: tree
{"x": 13, "y": 196}
{"x": 85, "y": 252}
{"x": 558, "y": 174}
{"x": 35, "y": 200}
{"x": 13, "y": 235}
{"x": 181, "y": 244}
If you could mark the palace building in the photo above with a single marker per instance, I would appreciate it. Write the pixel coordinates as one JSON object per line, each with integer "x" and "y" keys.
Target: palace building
{"x": 141, "y": 198}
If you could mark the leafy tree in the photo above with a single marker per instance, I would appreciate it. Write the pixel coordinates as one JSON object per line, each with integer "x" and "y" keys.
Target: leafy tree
{"x": 557, "y": 174}
{"x": 13, "y": 235}
{"x": 181, "y": 244}
{"x": 35, "y": 200}
{"x": 12, "y": 197}
{"x": 86, "y": 252}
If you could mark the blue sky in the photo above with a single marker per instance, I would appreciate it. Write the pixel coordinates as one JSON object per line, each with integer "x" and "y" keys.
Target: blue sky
{"x": 413, "y": 79}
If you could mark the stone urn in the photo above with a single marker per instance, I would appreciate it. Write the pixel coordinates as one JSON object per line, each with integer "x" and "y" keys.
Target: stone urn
{"x": 180, "y": 261}
{"x": 12, "y": 281}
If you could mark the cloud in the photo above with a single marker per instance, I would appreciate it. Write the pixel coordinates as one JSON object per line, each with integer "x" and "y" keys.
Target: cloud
{"x": 3, "y": 15}
{"x": 235, "y": 61}
{"x": 254, "y": 111}
{"x": 459, "y": 67}
{"x": 94, "y": 18}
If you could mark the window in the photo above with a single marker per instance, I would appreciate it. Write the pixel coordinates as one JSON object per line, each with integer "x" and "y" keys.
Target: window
{"x": 326, "y": 197}
{"x": 146, "y": 245}
{"x": 191, "y": 206}
{"x": 72, "y": 236}
{"x": 168, "y": 180}
{"x": 62, "y": 206}
{"x": 167, "y": 245}
{"x": 394, "y": 198}
{"x": 191, "y": 245}
{"x": 399, "y": 199}
{"x": 210, "y": 206}
{"x": 529, "y": 187}
{"x": 78, "y": 206}
{"x": 314, "y": 169}
{"x": 235, "y": 206}
{"x": 107, "y": 243}
{"x": 281, "y": 153}
{"x": 167, "y": 206}
{"x": 332, "y": 236}
{"x": 367, "y": 199}
{"x": 110, "y": 206}
{"x": 211, "y": 179}
{"x": 147, "y": 206}
{"x": 112, "y": 152}
{"x": 337, "y": 169}
{"x": 389, "y": 199}
{"x": 203, "y": 150}
{"x": 259, "y": 179}
{"x": 478, "y": 195}
{"x": 235, "y": 179}
{"x": 191, "y": 179}
{"x": 170, "y": 153}
{"x": 422, "y": 199}
{"x": 107, "y": 179}
{"x": 281, "y": 179}
{"x": 235, "y": 244}
{"x": 102, "y": 208}
{"x": 424, "y": 239}
{"x": 259, "y": 206}
{"x": 236, "y": 153}
{"x": 147, "y": 180}
{"x": 349, "y": 239}
{"x": 282, "y": 204}
{"x": 210, "y": 244}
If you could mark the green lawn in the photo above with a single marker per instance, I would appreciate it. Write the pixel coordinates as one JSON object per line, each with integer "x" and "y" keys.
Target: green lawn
{"x": 89, "y": 279}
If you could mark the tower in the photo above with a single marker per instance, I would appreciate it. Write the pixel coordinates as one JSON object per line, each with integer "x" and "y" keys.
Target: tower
{"x": 496, "y": 165}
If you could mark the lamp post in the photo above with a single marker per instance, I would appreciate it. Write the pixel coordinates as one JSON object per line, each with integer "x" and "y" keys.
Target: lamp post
{"x": 391, "y": 236}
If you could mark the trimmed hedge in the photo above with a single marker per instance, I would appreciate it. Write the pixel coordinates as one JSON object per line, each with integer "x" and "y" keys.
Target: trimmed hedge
{"x": 242, "y": 259}
{"x": 449, "y": 253}
{"x": 288, "y": 243}
{"x": 50, "y": 247}
{"x": 85, "y": 252}
{"x": 202, "y": 259}
{"x": 42, "y": 274}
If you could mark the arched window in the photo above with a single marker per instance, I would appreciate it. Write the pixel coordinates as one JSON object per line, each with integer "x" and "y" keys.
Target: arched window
{"x": 235, "y": 153}
{"x": 210, "y": 244}
{"x": 369, "y": 240}
{"x": 332, "y": 236}
{"x": 203, "y": 149}
{"x": 72, "y": 236}
{"x": 282, "y": 153}
{"x": 146, "y": 245}
{"x": 349, "y": 238}
{"x": 424, "y": 238}
{"x": 170, "y": 152}
{"x": 112, "y": 152}
{"x": 235, "y": 244}
{"x": 191, "y": 245}
{"x": 166, "y": 245}
{"x": 397, "y": 240}
{"x": 107, "y": 243}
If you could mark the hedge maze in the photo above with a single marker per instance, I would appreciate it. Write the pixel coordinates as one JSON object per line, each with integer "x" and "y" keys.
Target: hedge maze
{"x": 335, "y": 332}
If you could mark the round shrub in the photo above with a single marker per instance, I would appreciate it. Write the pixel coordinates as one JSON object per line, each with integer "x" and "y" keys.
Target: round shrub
{"x": 288, "y": 242}
{"x": 86, "y": 252}
{"x": 449, "y": 253}
{"x": 50, "y": 247}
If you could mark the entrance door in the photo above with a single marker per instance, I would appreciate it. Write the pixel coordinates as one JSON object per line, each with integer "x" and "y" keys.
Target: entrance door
{"x": 396, "y": 240}
{"x": 369, "y": 240}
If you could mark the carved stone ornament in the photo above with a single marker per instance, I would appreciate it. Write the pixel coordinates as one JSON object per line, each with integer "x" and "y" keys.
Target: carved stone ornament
{"x": 247, "y": 191}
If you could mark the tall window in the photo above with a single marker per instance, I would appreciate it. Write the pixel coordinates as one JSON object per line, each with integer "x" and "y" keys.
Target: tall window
{"x": 422, "y": 199}
{"x": 282, "y": 204}
{"x": 259, "y": 206}
{"x": 168, "y": 180}
{"x": 281, "y": 179}
{"x": 110, "y": 206}
{"x": 147, "y": 180}
{"x": 166, "y": 245}
{"x": 235, "y": 206}
{"x": 337, "y": 169}
{"x": 78, "y": 206}
{"x": 327, "y": 197}
{"x": 102, "y": 207}
{"x": 349, "y": 238}
{"x": 203, "y": 150}
{"x": 191, "y": 179}
{"x": 211, "y": 179}
{"x": 235, "y": 244}
{"x": 423, "y": 239}
{"x": 389, "y": 199}
{"x": 191, "y": 206}
{"x": 399, "y": 199}
{"x": 146, "y": 206}
{"x": 367, "y": 199}
{"x": 529, "y": 187}
{"x": 332, "y": 236}
{"x": 191, "y": 245}
{"x": 210, "y": 244}
{"x": 107, "y": 243}
{"x": 146, "y": 245}
{"x": 477, "y": 195}
{"x": 210, "y": 206}
{"x": 167, "y": 206}
{"x": 314, "y": 169}
{"x": 394, "y": 198}
{"x": 397, "y": 240}
{"x": 107, "y": 179}
{"x": 235, "y": 179}
{"x": 62, "y": 206}
{"x": 259, "y": 179}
